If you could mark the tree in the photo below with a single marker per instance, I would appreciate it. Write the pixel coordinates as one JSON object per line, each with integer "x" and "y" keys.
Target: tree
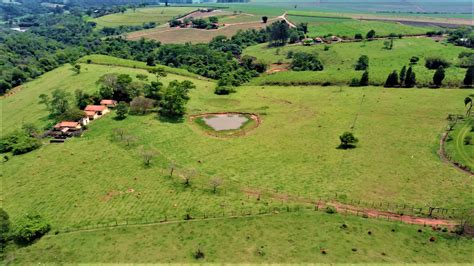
{"x": 364, "y": 80}
{"x": 392, "y": 80}
{"x": 306, "y": 61}
{"x": 213, "y": 19}
{"x": 469, "y": 77}
{"x": 438, "y": 76}
{"x": 302, "y": 27}
{"x": 264, "y": 19}
{"x": 436, "y": 62}
{"x": 141, "y": 105}
{"x": 188, "y": 176}
{"x": 30, "y": 228}
{"x": 4, "y": 86}
{"x": 403, "y": 75}
{"x": 76, "y": 68}
{"x": 147, "y": 155}
{"x": 150, "y": 61}
{"x": 121, "y": 110}
{"x": 59, "y": 103}
{"x": 362, "y": 63}
{"x": 84, "y": 99}
{"x": 468, "y": 103}
{"x": 215, "y": 183}
{"x": 44, "y": 99}
{"x": 410, "y": 78}
{"x": 370, "y": 34}
{"x": 4, "y": 226}
{"x": 348, "y": 140}
{"x": 358, "y": 36}
{"x": 174, "y": 98}
{"x": 153, "y": 90}
{"x": 279, "y": 33}
{"x": 71, "y": 114}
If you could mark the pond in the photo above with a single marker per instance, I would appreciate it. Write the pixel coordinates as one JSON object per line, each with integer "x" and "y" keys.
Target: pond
{"x": 221, "y": 122}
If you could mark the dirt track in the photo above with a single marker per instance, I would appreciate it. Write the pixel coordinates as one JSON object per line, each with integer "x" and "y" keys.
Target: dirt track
{"x": 367, "y": 212}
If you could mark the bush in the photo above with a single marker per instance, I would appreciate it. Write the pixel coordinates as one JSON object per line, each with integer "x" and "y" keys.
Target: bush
{"x": 348, "y": 140}
{"x": 467, "y": 140}
{"x": 436, "y": 62}
{"x": 362, "y": 63}
{"x": 30, "y": 228}
{"x": 224, "y": 90}
{"x": 306, "y": 61}
{"x": 331, "y": 210}
{"x": 18, "y": 142}
{"x": 414, "y": 60}
{"x": 4, "y": 225}
{"x": 354, "y": 83}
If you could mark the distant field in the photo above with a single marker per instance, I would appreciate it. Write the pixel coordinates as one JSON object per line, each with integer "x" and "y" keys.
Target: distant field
{"x": 184, "y": 35}
{"x": 283, "y": 238}
{"x": 159, "y": 15}
{"x": 339, "y": 61}
{"x": 322, "y": 26}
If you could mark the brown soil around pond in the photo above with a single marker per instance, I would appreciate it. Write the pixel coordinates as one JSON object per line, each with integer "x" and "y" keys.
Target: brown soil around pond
{"x": 234, "y": 133}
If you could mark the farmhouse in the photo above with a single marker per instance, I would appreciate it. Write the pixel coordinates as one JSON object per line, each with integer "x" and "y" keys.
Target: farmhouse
{"x": 96, "y": 111}
{"x": 65, "y": 126}
{"x": 108, "y": 103}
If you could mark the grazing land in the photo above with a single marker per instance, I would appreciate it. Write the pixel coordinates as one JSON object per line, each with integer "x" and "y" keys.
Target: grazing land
{"x": 456, "y": 147}
{"x": 313, "y": 236}
{"x": 340, "y": 59}
{"x": 380, "y": 117}
{"x": 136, "y": 17}
{"x": 348, "y": 27}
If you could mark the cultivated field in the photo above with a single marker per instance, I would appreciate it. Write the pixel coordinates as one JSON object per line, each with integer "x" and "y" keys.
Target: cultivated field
{"x": 184, "y": 35}
{"x": 340, "y": 59}
{"x": 348, "y": 27}
{"x": 131, "y": 17}
{"x": 283, "y": 238}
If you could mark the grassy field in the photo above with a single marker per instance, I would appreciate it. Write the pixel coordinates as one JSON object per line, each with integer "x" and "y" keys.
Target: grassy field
{"x": 80, "y": 192}
{"x": 284, "y": 238}
{"x": 160, "y": 15}
{"x": 340, "y": 59}
{"x": 455, "y": 146}
{"x": 347, "y": 27}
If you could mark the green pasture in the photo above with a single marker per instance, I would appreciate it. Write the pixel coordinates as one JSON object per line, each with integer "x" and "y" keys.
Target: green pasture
{"x": 87, "y": 180}
{"x": 340, "y": 59}
{"x": 347, "y": 27}
{"x": 131, "y": 17}
{"x": 283, "y": 238}
{"x": 456, "y": 148}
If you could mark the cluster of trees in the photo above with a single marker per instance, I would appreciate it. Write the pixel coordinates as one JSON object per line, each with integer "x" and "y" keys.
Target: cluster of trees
{"x": 406, "y": 79}
{"x": 462, "y": 37}
{"x": 21, "y": 141}
{"x": 306, "y": 62}
{"x": 140, "y": 97}
{"x": 111, "y": 31}
{"x": 25, "y": 231}
{"x": 199, "y": 23}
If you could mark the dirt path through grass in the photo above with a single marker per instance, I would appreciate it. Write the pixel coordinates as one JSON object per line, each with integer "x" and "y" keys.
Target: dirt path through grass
{"x": 459, "y": 141}
{"x": 359, "y": 211}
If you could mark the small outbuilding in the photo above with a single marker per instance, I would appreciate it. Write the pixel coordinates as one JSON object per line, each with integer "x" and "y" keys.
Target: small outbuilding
{"x": 96, "y": 111}
{"x": 65, "y": 126}
{"x": 108, "y": 103}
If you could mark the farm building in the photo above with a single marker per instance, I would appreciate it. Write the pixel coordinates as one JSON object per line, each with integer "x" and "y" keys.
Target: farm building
{"x": 96, "y": 111}
{"x": 108, "y": 103}
{"x": 65, "y": 126}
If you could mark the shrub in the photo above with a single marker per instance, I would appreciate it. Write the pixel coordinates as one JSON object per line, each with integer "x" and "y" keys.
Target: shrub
{"x": 224, "y": 90}
{"x": 141, "y": 105}
{"x": 362, "y": 63}
{"x": 330, "y": 209}
{"x": 18, "y": 142}
{"x": 4, "y": 225}
{"x": 306, "y": 61}
{"x": 30, "y": 228}
{"x": 467, "y": 140}
{"x": 414, "y": 60}
{"x": 348, "y": 140}
{"x": 354, "y": 83}
{"x": 436, "y": 62}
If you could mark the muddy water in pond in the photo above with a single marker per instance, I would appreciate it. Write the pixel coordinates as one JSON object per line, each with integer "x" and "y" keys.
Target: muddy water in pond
{"x": 225, "y": 121}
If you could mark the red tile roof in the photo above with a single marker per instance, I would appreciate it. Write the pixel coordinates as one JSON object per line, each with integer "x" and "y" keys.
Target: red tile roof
{"x": 90, "y": 113}
{"x": 107, "y": 102}
{"x": 95, "y": 108}
{"x": 66, "y": 124}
